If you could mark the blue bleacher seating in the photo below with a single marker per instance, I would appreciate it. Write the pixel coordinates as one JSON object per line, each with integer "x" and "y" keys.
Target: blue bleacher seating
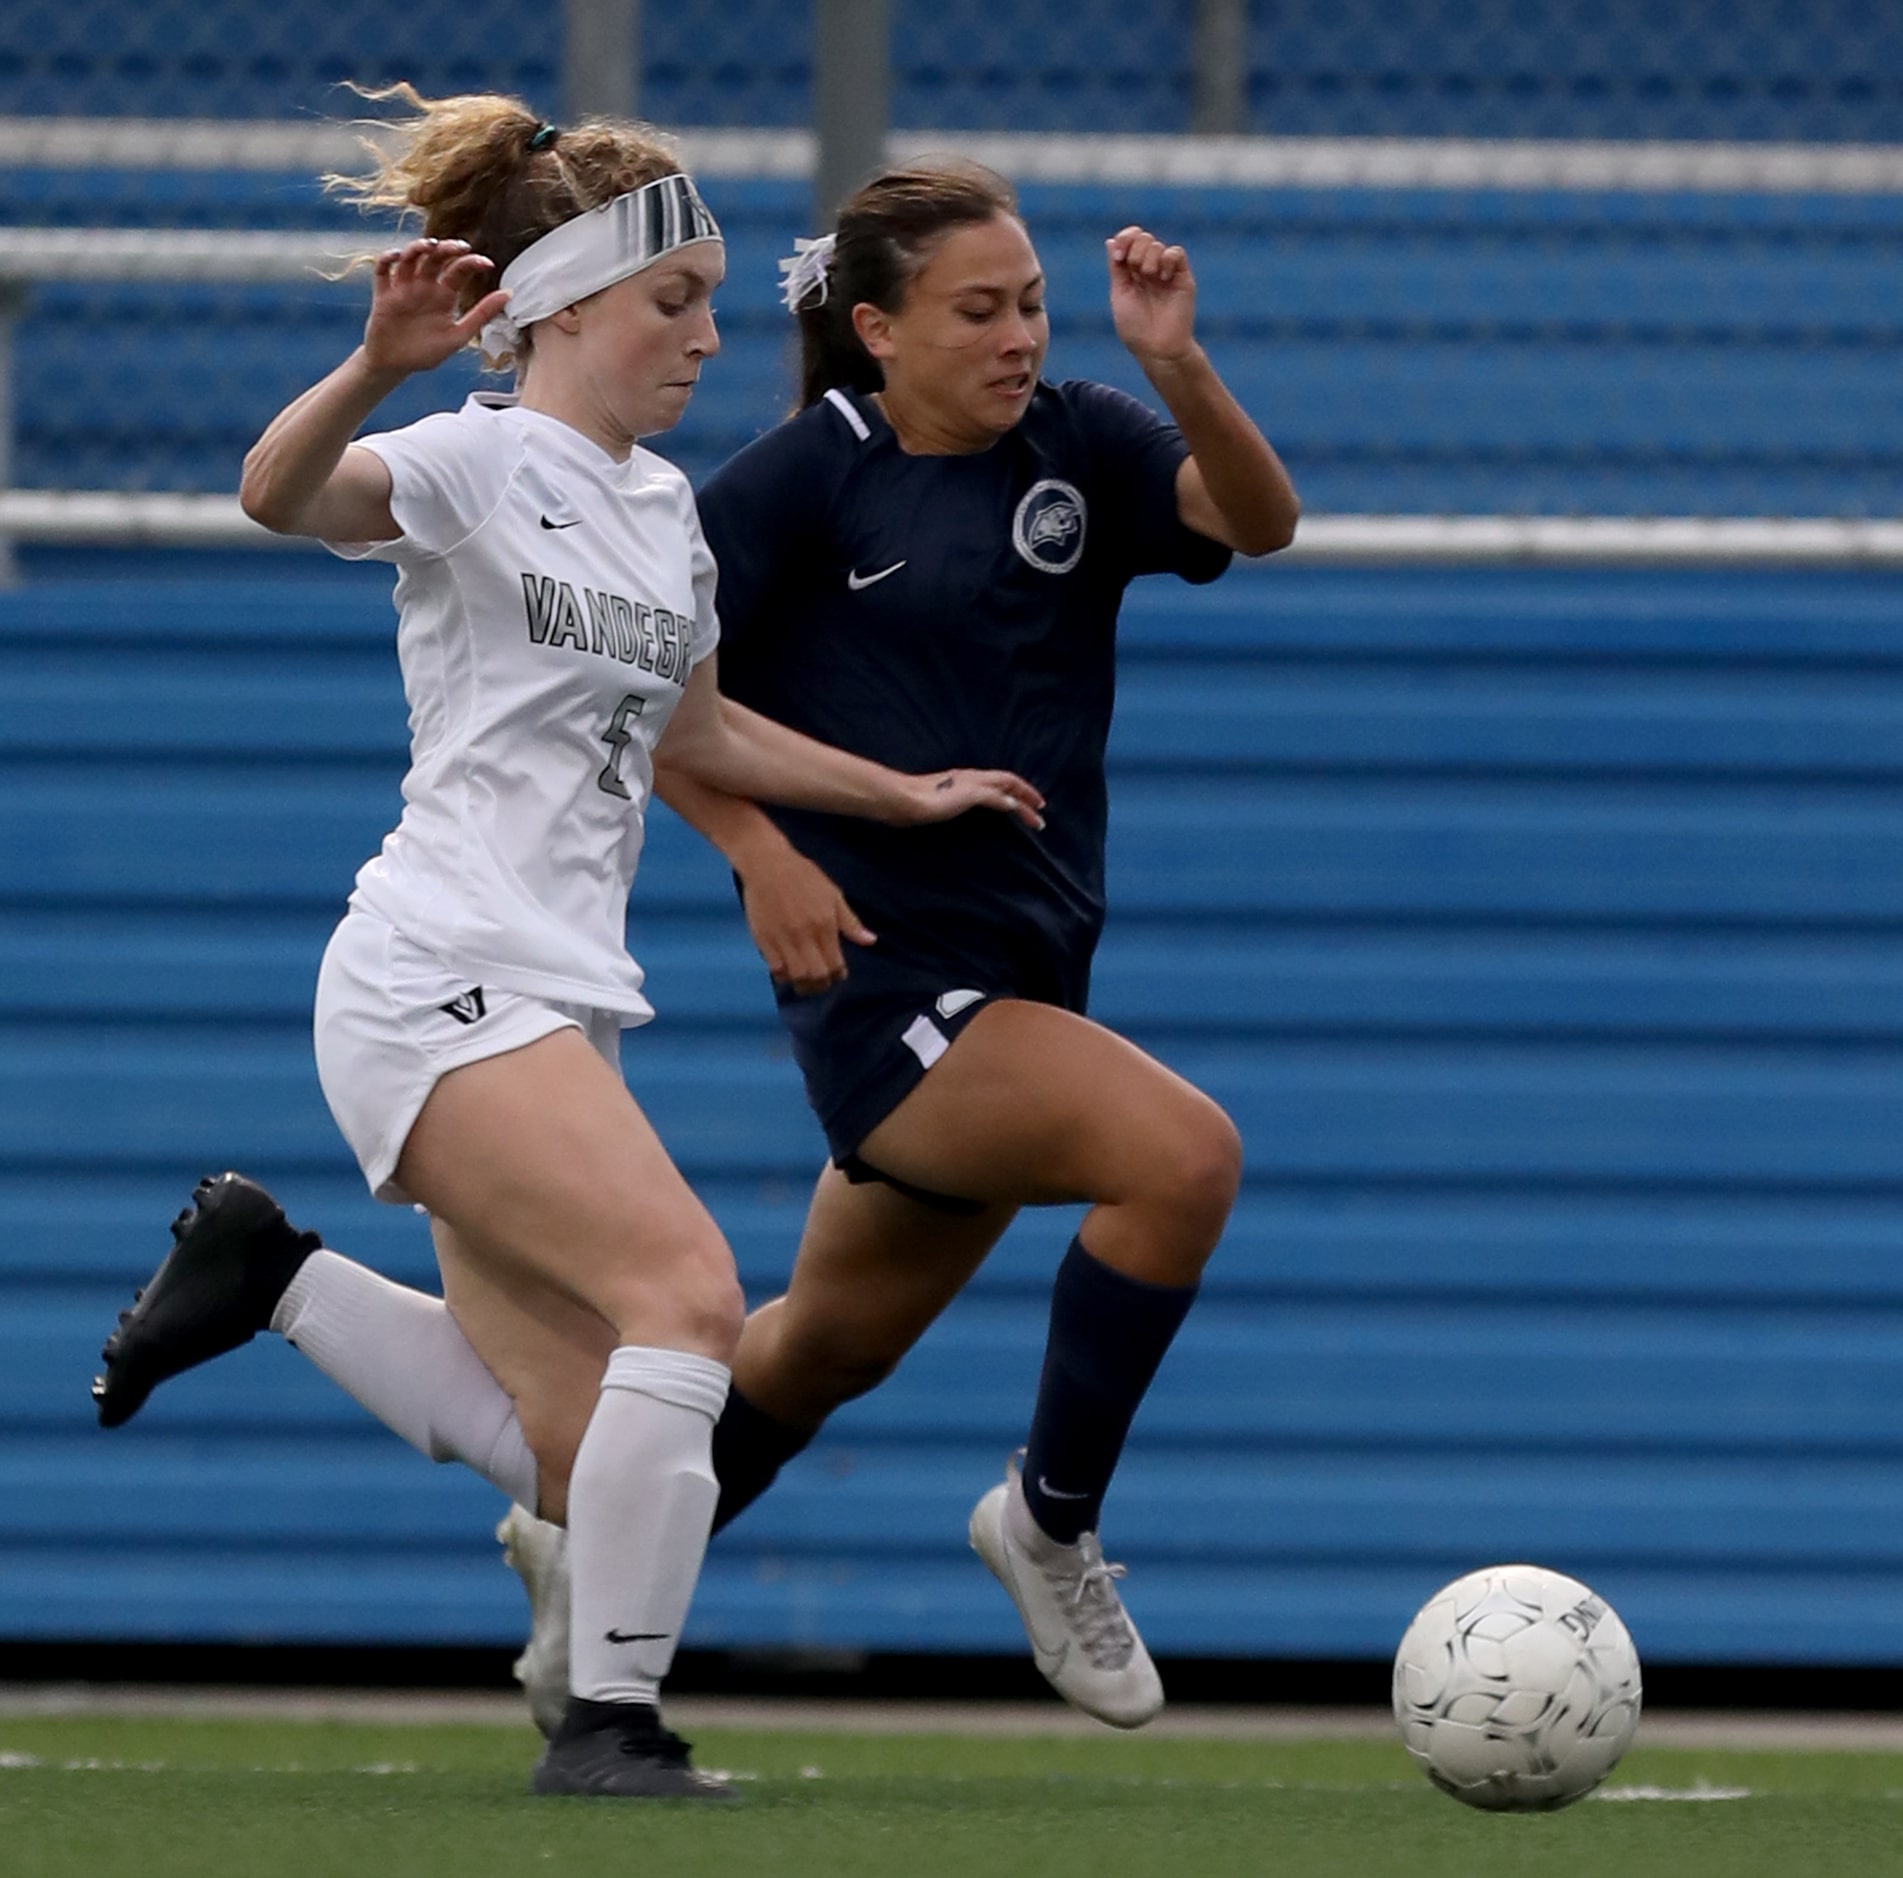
{"x": 1421, "y": 353}
{"x": 1539, "y": 929}
{"x": 1760, "y": 70}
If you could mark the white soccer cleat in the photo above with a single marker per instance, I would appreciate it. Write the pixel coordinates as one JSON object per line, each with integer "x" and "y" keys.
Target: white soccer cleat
{"x": 1081, "y": 1636}
{"x": 538, "y": 1554}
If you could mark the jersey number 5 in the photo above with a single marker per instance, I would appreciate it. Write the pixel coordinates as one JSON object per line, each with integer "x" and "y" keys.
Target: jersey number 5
{"x": 617, "y": 737}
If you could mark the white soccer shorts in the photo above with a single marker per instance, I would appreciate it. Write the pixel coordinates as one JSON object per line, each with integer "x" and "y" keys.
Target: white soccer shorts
{"x": 392, "y": 1018}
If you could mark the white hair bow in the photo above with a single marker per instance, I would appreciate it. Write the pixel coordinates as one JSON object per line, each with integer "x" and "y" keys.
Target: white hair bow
{"x": 501, "y": 338}
{"x": 806, "y": 268}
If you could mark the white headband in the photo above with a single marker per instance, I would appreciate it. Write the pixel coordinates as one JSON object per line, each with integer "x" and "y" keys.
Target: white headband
{"x": 593, "y": 251}
{"x": 804, "y": 269}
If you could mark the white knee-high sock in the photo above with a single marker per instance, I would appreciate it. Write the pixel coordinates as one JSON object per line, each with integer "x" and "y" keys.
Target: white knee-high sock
{"x": 400, "y": 1353}
{"x": 641, "y": 1501}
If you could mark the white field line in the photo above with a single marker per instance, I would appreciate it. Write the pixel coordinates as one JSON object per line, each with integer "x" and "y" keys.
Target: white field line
{"x": 1697, "y": 1793}
{"x": 313, "y": 146}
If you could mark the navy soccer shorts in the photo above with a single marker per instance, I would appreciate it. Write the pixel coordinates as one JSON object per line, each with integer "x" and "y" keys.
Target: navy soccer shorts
{"x": 864, "y": 1045}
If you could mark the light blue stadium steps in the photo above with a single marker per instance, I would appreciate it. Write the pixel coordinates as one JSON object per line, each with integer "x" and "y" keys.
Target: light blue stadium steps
{"x": 1540, "y": 394}
{"x": 754, "y": 214}
{"x": 1271, "y": 611}
{"x": 1523, "y": 1111}
{"x": 1355, "y": 847}
{"x": 1344, "y": 1608}
{"x": 1277, "y": 716}
{"x": 1624, "y": 618}
{"x": 847, "y": 1498}
{"x": 261, "y": 1595}
{"x": 1571, "y": 483}
{"x": 236, "y": 61}
{"x": 1285, "y": 715}
{"x": 1778, "y": 1390}
{"x": 1658, "y": 234}
{"x": 1419, "y": 350}
{"x": 1310, "y": 69}
{"x": 1374, "y": 480}
{"x": 1540, "y": 930}
{"x": 1442, "y": 848}
{"x": 1290, "y": 1241}
{"x": 702, "y": 970}
{"x": 1750, "y": 403}
{"x": 1335, "y": 1609}
{"x": 1842, "y": 1617}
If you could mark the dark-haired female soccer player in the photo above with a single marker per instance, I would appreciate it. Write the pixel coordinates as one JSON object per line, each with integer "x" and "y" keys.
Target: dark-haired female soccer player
{"x": 924, "y": 566}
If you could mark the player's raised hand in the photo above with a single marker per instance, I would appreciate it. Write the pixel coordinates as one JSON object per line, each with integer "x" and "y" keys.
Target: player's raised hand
{"x": 414, "y": 325}
{"x": 953, "y": 791}
{"x": 1152, "y": 296}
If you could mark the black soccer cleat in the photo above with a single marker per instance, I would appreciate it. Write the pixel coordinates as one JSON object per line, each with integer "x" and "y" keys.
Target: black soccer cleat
{"x": 619, "y": 1750}
{"x": 232, "y": 1255}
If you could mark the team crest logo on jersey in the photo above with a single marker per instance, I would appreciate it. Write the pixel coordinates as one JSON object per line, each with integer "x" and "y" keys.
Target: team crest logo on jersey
{"x": 1048, "y": 528}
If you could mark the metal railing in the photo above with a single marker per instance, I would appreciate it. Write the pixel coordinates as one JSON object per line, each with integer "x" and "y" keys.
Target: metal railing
{"x": 33, "y": 255}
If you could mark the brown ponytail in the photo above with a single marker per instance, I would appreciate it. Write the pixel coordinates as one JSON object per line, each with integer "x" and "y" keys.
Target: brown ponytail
{"x": 887, "y": 231}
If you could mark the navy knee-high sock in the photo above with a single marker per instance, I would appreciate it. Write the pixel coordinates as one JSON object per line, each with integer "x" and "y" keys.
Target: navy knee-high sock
{"x": 1108, "y": 1336}
{"x": 750, "y": 1448}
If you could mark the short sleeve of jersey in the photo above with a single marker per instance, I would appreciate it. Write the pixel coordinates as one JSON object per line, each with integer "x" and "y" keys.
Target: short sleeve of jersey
{"x": 763, "y": 512}
{"x": 446, "y": 477}
{"x": 1135, "y": 457}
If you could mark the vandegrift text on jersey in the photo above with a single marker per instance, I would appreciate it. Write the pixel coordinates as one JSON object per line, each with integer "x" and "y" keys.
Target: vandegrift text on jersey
{"x": 649, "y": 637}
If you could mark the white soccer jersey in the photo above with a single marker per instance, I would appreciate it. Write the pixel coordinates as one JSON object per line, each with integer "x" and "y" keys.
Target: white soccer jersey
{"x": 551, "y": 602}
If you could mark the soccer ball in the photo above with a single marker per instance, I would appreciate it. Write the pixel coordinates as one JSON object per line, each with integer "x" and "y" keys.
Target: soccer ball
{"x": 1516, "y": 1689}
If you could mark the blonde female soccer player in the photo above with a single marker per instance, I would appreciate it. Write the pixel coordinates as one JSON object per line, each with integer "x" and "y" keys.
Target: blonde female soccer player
{"x": 556, "y": 631}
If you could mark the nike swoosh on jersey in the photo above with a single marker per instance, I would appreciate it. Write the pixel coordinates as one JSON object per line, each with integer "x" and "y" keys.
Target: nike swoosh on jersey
{"x": 859, "y": 582}
{"x": 574, "y": 521}
{"x": 635, "y": 1636}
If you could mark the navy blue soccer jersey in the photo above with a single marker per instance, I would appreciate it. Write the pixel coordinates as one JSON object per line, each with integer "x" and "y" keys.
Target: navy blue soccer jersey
{"x": 938, "y": 612}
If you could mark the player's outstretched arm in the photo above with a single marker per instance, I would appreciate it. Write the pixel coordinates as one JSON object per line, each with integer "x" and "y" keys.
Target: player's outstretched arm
{"x": 1232, "y": 486}
{"x": 795, "y": 912}
{"x": 712, "y": 740}
{"x": 301, "y": 477}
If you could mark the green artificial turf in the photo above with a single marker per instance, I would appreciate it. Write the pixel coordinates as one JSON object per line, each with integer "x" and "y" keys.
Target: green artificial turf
{"x": 117, "y": 1798}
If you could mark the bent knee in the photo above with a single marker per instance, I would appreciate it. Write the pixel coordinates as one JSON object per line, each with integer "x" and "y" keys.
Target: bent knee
{"x": 1197, "y": 1170}
{"x": 716, "y": 1313}
{"x": 692, "y": 1302}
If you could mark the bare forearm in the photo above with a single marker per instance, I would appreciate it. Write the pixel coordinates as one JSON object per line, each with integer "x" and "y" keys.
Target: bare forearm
{"x": 741, "y": 830}
{"x": 287, "y": 469}
{"x": 751, "y": 756}
{"x": 1240, "y": 469}
{"x": 736, "y": 752}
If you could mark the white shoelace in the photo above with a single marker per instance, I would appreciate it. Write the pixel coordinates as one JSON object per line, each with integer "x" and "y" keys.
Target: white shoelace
{"x": 1097, "y": 1612}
